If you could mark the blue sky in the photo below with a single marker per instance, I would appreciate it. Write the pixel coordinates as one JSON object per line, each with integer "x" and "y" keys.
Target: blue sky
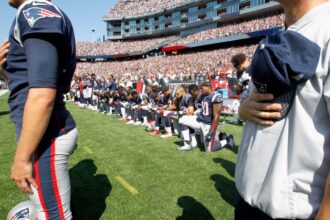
{"x": 85, "y": 15}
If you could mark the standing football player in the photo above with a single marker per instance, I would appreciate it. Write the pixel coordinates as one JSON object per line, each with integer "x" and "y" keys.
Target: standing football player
{"x": 40, "y": 65}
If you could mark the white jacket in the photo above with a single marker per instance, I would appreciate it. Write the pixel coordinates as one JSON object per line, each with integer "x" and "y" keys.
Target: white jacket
{"x": 282, "y": 169}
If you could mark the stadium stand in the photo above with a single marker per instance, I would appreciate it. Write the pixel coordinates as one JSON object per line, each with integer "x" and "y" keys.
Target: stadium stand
{"x": 236, "y": 28}
{"x": 128, "y": 8}
{"x": 121, "y": 47}
{"x": 130, "y": 46}
{"x": 176, "y": 67}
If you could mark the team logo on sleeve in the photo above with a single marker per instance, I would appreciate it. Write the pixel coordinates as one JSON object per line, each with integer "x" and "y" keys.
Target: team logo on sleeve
{"x": 35, "y": 13}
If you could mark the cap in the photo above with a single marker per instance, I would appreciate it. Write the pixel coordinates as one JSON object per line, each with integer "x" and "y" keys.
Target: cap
{"x": 282, "y": 62}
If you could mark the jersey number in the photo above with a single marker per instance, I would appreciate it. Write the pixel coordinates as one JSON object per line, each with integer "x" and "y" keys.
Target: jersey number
{"x": 205, "y": 107}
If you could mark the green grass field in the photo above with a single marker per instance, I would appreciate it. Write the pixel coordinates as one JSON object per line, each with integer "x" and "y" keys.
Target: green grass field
{"x": 118, "y": 171}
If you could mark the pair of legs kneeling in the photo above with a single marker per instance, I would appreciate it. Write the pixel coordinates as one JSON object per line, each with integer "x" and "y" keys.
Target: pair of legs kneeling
{"x": 189, "y": 126}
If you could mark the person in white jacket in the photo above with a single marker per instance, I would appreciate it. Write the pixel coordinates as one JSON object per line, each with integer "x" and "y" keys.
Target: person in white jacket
{"x": 284, "y": 157}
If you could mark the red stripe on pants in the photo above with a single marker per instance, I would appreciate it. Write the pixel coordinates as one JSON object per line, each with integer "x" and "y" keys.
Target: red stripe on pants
{"x": 37, "y": 178}
{"x": 54, "y": 180}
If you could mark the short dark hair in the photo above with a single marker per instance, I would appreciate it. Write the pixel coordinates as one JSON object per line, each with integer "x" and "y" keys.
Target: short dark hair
{"x": 149, "y": 86}
{"x": 154, "y": 95}
{"x": 206, "y": 84}
{"x": 238, "y": 59}
{"x": 165, "y": 88}
{"x": 192, "y": 88}
{"x": 134, "y": 93}
{"x": 155, "y": 89}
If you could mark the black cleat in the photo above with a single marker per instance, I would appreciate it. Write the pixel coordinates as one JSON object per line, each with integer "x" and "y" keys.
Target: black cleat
{"x": 230, "y": 141}
{"x": 222, "y": 136}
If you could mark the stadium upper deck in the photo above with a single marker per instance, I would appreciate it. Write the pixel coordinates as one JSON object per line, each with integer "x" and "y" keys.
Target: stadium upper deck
{"x": 234, "y": 30}
{"x": 133, "y": 19}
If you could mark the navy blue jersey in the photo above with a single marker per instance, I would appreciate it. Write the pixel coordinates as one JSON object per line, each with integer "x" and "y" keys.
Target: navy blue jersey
{"x": 206, "y": 115}
{"x": 115, "y": 95}
{"x": 168, "y": 99}
{"x": 112, "y": 85}
{"x": 196, "y": 102}
{"x": 97, "y": 86}
{"x": 103, "y": 86}
{"x": 138, "y": 100}
{"x": 133, "y": 101}
{"x": 123, "y": 96}
{"x": 92, "y": 83}
{"x": 177, "y": 102}
{"x": 150, "y": 98}
{"x": 158, "y": 100}
{"x": 40, "y": 20}
{"x": 184, "y": 102}
{"x": 153, "y": 100}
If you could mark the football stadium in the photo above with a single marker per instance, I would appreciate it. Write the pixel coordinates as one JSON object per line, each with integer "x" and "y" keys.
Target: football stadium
{"x": 185, "y": 109}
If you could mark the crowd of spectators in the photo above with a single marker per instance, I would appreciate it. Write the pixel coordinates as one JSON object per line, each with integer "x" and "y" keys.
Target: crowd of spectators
{"x": 236, "y": 28}
{"x": 129, "y": 8}
{"x": 176, "y": 67}
{"x": 121, "y": 47}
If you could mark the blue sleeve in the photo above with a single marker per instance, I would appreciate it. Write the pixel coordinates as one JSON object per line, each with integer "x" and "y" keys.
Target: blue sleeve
{"x": 40, "y": 18}
{"x": 189, "y": 100}
{"x": 217, "y": 98}
{"x": 162, "y": 99}
{"x": 42, "y": 62}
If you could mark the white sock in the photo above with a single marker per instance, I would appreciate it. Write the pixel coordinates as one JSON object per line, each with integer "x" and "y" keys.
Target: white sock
{"x": 223, "y": 143}
{"x": 193, "y": 140}
{"x": 145, "y": 119}
{"x": 187, "y": 144}
{"x": 168, "y": 129}
{"x": 186, "y": 135}
{"x": 123, "y": 112}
